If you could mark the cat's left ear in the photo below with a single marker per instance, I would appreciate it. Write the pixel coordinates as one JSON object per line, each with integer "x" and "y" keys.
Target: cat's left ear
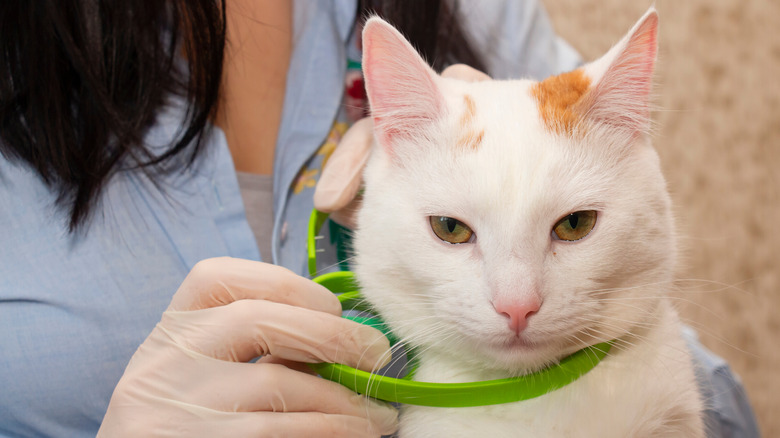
{"x": 402, "y": 89}
{"x": 619, "y": 95}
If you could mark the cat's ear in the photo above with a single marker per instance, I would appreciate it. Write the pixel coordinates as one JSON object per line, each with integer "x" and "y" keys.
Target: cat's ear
{"x": 338, "y": 189}
{"x": 619, "y": 95}
{"x": 402, "y": 89}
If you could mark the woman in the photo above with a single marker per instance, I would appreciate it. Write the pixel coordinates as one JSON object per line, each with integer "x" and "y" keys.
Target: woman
{"x": 114, "y": 185}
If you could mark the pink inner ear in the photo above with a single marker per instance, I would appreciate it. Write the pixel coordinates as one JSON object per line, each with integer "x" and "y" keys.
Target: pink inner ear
{"x": 621, "y": 98}
{"x": 401, "y": 87}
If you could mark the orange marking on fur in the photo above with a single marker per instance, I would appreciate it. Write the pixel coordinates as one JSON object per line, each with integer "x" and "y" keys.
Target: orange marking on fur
{"x": 468, "y": 116}
{"x": 557, "y": 96}
{"x": 470, "y": 138}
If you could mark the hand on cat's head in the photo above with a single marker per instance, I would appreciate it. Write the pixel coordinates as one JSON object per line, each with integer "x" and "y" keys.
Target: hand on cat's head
{"x": 337, "y": 191}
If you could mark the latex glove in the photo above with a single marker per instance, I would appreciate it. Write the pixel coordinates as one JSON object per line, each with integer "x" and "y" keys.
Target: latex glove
{"x": 189, "y": 377}
{"x": 338, "y": 188}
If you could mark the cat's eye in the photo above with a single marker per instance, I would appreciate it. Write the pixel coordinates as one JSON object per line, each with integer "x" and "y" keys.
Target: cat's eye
{"x": 575, "y": 226}
{"x": 450, "y": 230}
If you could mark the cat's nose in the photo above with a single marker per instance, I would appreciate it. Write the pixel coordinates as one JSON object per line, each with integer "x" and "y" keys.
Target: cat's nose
{"x": 518, "y": 312}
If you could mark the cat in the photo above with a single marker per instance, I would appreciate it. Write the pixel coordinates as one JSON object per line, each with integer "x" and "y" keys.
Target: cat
{"x": 508, "y": 224}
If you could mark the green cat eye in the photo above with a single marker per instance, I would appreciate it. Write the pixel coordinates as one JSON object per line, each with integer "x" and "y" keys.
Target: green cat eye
{"x": 450, "y": 230}
{"x": 576, "y": 225}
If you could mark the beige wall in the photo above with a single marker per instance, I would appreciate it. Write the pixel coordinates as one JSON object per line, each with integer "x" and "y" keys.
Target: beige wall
{"x": 719, "y": 139}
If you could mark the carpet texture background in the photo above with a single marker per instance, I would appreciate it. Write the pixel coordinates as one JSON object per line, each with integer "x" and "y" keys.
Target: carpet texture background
{"x": 718, "y": 135}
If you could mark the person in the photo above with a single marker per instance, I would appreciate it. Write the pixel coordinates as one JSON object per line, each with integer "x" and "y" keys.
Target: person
{"x": 134, "y": 171}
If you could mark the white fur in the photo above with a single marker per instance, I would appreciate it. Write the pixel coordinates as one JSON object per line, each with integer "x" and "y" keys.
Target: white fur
{"x": 511, "y": 191}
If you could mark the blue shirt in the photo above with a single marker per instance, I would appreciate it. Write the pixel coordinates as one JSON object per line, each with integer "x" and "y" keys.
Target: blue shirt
{"x": 74, "y": 308}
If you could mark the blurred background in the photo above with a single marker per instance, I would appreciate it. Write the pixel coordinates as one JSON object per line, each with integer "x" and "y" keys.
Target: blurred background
{"x": 718, "y": 87}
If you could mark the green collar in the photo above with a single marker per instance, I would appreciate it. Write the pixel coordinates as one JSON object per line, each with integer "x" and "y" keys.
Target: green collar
{"x": 404, "y": 390}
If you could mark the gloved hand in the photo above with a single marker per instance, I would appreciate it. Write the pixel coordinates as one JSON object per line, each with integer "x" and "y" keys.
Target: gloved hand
{"x": 190, "y": 377}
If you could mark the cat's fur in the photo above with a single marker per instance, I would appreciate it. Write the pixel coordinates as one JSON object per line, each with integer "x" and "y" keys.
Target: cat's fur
{"x": 511, "y": 158}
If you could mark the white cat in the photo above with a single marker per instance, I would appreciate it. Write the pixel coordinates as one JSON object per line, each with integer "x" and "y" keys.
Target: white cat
{"x": 507, "y": 224}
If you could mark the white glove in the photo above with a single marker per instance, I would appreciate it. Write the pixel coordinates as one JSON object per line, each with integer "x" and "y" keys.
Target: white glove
{"x": 189, "y": 377}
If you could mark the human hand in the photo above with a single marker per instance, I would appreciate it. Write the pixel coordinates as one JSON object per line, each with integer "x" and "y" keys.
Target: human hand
{"x": 337, "y": 191}
{"x": 190, "y": 376}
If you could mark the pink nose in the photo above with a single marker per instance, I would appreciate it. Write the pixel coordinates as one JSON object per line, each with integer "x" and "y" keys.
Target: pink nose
{"x": 518, "y": 312}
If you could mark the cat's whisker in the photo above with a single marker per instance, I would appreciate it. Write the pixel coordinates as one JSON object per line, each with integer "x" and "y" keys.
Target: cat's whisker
{"x": 623, "y": 344}
{"x": 603, "y": 291}
{"x": 327, "y": 268}
{"x": 674, "y": 286}
{"x": 722, "y": 286}
{"x": 621, "y": 332}
{"x": 622, "y": 300}
{"x": 617, "y": 343}
{"x": 587, "y": 346}
{"x": 631, "y": 323}
{"x": 702, "y": 329}
{"x": 408, "y": 340}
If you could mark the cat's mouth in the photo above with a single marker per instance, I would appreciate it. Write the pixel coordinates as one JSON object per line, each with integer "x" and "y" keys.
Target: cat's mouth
{"x": 516, "y": 355}
{"x": 516, "y": 342}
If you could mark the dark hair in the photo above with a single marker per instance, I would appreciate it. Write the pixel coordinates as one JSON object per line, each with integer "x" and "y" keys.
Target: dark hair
{"x": 81, "y": 81}
{"x": 431, "y": 26}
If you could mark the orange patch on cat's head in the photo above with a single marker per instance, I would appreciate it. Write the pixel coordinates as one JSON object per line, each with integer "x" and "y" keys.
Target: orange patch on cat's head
{"x": 557, "y": 97}
{"x": 470, "y": 137}
{"x": 471, "y": 110}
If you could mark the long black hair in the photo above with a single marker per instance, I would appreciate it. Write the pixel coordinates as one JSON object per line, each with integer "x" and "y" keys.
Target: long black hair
{"x": 81, "y": 81}
{"x": 431, "y": 26}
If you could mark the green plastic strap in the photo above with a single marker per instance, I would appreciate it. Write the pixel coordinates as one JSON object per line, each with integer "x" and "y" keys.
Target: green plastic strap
{"x": 343, "y": 284}
{"x": 316, "y": 220}
{"x": 453, "y": 395}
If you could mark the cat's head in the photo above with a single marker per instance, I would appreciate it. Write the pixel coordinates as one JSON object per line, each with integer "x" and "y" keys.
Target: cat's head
{"x": 512, "y": 222}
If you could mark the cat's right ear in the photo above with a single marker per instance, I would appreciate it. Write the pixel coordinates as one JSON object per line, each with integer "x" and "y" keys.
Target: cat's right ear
{"x": 402, "y": 89}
